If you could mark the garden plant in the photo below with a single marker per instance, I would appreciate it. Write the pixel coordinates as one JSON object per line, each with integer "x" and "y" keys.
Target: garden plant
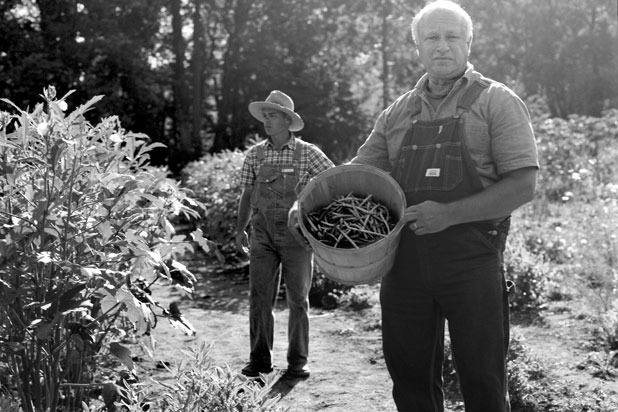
{"x": 85, "y": 231}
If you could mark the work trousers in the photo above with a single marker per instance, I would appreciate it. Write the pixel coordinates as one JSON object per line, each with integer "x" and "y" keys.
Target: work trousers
{"x": 454, "y": 275}
{"x": 272, "y": 248}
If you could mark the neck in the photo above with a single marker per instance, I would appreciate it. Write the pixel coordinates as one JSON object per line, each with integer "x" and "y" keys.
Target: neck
{"x": 278, "y": 140}
{"x": 441, "y": 87}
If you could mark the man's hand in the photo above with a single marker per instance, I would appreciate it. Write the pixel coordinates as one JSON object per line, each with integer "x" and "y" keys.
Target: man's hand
{"x": 294, "y": 226}
{"x": 496, "y": 201}
{"x": 242, "y": 241}
{"x": 427, "y": 217}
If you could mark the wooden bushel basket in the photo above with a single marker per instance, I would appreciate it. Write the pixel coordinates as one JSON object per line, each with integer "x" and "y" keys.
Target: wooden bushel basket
{"x": 367, "y": 264}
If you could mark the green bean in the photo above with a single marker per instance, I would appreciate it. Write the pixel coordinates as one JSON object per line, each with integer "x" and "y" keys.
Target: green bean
{"x": 350, "y": 221}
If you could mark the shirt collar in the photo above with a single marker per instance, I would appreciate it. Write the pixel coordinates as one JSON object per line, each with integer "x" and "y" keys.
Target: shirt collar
{"x": 467, "y": 77}
{"x": 291, "y": 143}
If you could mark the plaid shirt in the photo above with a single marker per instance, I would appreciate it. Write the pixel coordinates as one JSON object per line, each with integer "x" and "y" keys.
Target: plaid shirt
{"x": 312, "y": 160}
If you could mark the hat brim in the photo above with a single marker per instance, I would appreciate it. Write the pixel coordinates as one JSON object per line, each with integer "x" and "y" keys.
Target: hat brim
{"x": 256, "y": 108}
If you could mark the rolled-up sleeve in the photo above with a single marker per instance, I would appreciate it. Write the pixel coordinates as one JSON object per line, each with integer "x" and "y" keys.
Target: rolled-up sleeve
{"x": 513, "y": 145}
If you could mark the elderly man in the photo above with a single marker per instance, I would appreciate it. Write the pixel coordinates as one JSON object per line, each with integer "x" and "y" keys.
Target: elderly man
{"x": 462, "y": 148}
{"x": 273, "y": 172}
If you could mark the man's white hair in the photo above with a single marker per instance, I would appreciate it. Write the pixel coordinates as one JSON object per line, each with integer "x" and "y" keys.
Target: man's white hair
{"x": 441, "y": 5}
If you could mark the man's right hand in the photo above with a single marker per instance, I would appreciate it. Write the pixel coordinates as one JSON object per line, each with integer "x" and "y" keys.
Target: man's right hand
{"x": 242, "y": 241}
{"x": 294, "y": 227}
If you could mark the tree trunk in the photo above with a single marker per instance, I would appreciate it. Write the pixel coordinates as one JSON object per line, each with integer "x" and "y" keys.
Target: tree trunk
{"x": 199, "y": 47}
{"x": 229, "y": 107}
{"x": 181, "y": 122}
{"x": 386, "y": 11}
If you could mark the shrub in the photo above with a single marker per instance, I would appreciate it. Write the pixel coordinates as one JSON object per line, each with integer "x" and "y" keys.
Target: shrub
{"x": 214, "y": 181}
{"x": 524, "y": 373}
{"x": 526, "y": 271}
{"x": 326, "y": 293}
{"x": 609, "y": 328}
{"x": 578, "y": 156}
{"x": 84, "y": 233}
{"x": 197, "y": 385}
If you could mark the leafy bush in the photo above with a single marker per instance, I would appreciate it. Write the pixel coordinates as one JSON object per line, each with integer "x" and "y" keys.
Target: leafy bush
{"x": 198, "y": 385}
{"x": 526, "y": 271}
{"x": 84, "y": 233}
{"x": 578, "y": 156}
{"x": 326, "y": 293}
{"x": 214, "y": 181}
{"x": 609, "y": 328}
{"x": 524, "y": 372}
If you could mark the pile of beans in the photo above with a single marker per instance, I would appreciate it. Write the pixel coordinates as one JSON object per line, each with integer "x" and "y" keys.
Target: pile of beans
{"x": 350, "y": 221}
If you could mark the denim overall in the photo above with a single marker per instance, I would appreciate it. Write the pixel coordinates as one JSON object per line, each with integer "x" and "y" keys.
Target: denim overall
{"x": 274, "y": 246}
{"x": 455, "y": 275}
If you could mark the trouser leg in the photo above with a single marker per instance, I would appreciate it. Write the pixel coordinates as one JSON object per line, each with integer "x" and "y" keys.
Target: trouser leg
{"x": 477, "y": 331}
{"x": 471, "y": 291}
{"x": 264, "y": 278}
{"x": 413, "y": 335}
{"x": 297, "y": 272}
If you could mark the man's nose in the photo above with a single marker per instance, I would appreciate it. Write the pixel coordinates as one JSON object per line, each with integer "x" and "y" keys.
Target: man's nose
{"x": 442, "y": 44}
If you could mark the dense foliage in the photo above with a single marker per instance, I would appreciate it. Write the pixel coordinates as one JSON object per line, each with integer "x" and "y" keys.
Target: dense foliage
{"x": 184, "y": 71}
{"x": 84, "y": 234}
{"x": 214, "y": 180}
{"x": 199, "y": 385}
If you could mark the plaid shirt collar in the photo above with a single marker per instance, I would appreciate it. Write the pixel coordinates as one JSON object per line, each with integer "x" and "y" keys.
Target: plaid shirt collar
{"x": 291, "y": 143}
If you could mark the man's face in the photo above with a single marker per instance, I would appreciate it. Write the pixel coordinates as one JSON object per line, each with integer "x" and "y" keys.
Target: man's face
{"x": 275, "y": 122}
{"x": 443, "y": 45}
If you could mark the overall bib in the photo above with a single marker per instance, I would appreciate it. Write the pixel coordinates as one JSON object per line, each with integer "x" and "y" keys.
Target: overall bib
{"x": 455, "y": 275}
{"x": 274, "y": 246}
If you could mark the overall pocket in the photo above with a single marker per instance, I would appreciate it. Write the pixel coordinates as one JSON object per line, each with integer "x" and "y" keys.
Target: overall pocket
{"x": 431, "y": 167}
{"x": 263, "y": 191}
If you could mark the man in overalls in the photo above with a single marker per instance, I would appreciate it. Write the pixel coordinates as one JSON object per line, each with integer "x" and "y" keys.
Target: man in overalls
{"x": 273, "y": 172}
{"x": 462, "y": 148}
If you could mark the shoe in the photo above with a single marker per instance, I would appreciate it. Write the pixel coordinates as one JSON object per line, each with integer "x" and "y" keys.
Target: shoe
{"x": 297, "y": 372}
{"x": 253, "y": 370}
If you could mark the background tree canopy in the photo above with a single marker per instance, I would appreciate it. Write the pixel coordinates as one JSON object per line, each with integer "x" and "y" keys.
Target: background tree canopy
{"x": 182, "y": 71}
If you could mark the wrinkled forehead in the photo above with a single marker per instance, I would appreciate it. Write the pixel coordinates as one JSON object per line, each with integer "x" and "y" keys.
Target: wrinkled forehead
{"x": 443, "y": 19}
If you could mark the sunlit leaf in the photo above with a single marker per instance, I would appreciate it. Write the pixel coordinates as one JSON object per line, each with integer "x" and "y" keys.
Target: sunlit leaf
{"x": 123, "y": 353}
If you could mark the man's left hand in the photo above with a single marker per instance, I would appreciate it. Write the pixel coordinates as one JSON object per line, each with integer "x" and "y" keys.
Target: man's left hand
{"x": 427, "y": 217}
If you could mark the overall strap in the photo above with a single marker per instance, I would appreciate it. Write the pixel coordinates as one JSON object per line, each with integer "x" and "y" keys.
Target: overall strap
{"x": 475, "y": 89}
{"x": 260, "y": 154}
{"x": 464, "y": 103}
{"x": 298, "y": 151}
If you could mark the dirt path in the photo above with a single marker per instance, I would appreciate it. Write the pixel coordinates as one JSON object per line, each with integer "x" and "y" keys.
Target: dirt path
{"x": 348, "y": 370}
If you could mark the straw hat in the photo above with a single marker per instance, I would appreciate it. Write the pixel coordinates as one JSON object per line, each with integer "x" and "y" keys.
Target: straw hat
{"x": 277, "y": 100}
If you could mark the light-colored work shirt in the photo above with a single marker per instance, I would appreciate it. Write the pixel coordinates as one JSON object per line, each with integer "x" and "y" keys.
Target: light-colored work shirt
{"x": 498, "y": 131}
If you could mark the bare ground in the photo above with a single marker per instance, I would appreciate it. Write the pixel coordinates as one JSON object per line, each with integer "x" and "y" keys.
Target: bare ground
{"x": 348, "y": 370}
